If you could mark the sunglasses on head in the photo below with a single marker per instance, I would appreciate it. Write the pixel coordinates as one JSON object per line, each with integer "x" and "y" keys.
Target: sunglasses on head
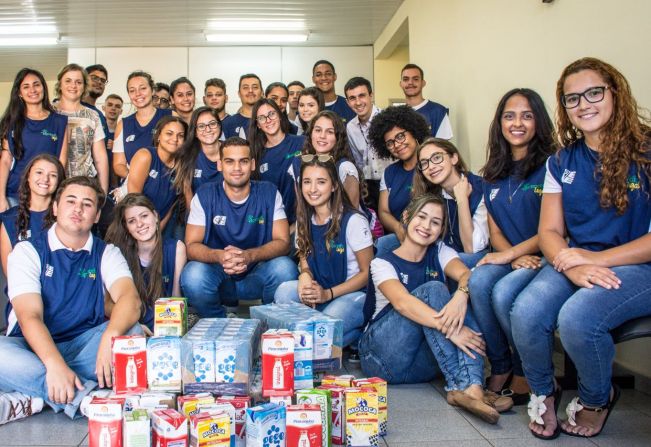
{"x": 321, "y": 158}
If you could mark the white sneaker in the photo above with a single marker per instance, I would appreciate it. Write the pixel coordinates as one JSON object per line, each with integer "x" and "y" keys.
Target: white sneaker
{"x": 16, "y": 405}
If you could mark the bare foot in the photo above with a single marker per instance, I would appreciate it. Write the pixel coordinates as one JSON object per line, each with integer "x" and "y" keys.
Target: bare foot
{"x": 497, "y": 381}
{"x": 549, "y": 419}
{"x": 588, "y": 423}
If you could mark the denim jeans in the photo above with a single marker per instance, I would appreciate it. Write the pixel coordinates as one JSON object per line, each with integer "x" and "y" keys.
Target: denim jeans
{"x": 22, "y": 370}
{"x": 585, "y": 318}
{"x": 386, "y": 244}
{"x": 208, "y": 288}
{"x": 349, "y": 308}
{"x": 493, "y": 289}
{"x": 402, "y": 351}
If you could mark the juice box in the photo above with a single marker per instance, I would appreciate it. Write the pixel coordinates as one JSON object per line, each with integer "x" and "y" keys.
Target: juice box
{"x": 222, "y": 407}
{"x": 210, "y": 429}
{"x": 304, "y": 428}
{"x": 105, "y": 422}
{"x": 324, "y": 400}
{"x": 265, "y": 426}
{"x": 277, "y": 363}
{"x": 170, "y": 316}
{"x": 380, "y": 386}
{"x": 240, "y": 403}
{"x": 338, "y": 434}
{"x": 169, "y": 429}
{"x": 361, "y": 417}
{"x": 136, "y": 429}
{"x": 164, "y": 363}
{"x": 203, "y": 353}
{"x": 129, "y": 363}
{"x": 345, "y": 380}
{"x": 189, "y": 404}
{"x": 303, "y": 352}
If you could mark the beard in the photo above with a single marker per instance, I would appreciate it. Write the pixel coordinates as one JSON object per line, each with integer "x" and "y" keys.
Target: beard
{"x": 94, "y": 94}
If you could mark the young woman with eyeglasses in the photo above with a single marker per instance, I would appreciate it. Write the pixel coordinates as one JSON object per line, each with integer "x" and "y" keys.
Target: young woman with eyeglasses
{"x": 442, "y": 171}
{"x": 274, "y": 150}
{"x": 415, "y": 327}
{"x": 136, "y": 130}
{"x": 310, "y": 102}
{"x": 29, "y": 126}
{"x": 334, "y": 246}
{"x": 395, "y": 133}
{"x": 594, "y": 230}
{"x": 520, "y": 141}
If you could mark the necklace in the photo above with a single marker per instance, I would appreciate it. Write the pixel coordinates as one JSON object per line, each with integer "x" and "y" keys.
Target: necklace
{"x": 514, "y": 192}
{"x": 451, "y": 220}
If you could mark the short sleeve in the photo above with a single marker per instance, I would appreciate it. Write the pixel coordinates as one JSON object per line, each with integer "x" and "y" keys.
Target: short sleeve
{"x": 358, "y": 233}
{"x": 347, "y": 168}
{"x": 113, "y": 266}
{"x": 381, "y": 271}
{"x": 99, "y": 129}
{"x": 552, "y": 176}
{"x": 445, "y": 128}
{"x": 279, "y": 208}
{"x": 446, "y": 254}
{"x": 197, "y": 214}
{"x": 118, "y": 142}
{"x": 383, "y": 183}
{"x": 23, "y": 270}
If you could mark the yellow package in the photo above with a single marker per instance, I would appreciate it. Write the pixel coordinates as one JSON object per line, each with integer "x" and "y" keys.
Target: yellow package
{"x": 380, "y": 386}
{"x": 210, "y": 429}
{"x": 362, "y": 424}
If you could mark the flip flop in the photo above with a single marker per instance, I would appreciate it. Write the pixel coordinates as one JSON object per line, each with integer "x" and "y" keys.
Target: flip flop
{"x": 609, "y": 406}
{"x": 558, "y": 393}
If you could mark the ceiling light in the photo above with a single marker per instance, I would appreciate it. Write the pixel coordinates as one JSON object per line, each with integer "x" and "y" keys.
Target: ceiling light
{"x": 27, "y": 29}
{"x": 31, "y": 40}
{"x": 258, "y": 25}
{"x": 256, "y": 37}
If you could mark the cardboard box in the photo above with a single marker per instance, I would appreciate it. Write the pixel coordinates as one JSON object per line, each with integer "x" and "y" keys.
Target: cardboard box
{"x": 169, "y": 429}
{"x": 304, "y": 426}
{"x": 136, "y": 429}
{"x": 380, "y": 387}
{"x": 105, "y": 422}
{"x": 362, "y": 426}
{"x": 265, "y": 426}
{"x": 170, "y": 316}
{"x": 277, "y": 363}
{"x": 210, "y": 429}
{"x": 129, "y": 362}
{"x": 164, "y": 363}
{"x": 323, "y": 398}
{"x": 240, "y": 404}
{"x": 337, "y": 397}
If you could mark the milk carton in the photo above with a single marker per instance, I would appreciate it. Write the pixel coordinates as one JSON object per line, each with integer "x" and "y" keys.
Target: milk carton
{"x": 204, "y": 360}
{"x": 323, "y": 338}
{"x": 323, "y": 399}
{"x": 211, "y": 428}
{"x": 240, "y": 404}
{"x": 281, "y": 400}
{"x": 303, "y": 352}
{"x": 223, "y": 407}
{"x": 152, "y": 401}
{"x": 265, "y": 426}
{"x": 361, "y": 417}
{"x": 225, "y": 355}
{"x": 129, "y": 363}
{"x": 169, "y": 429}
{"x": 345, "y": 380}
{"x": 170, "y": 316}
{"x": 164, "y": 363}
{"x": 380, "y": 386}
{"x": 189, "y": 404}
{"x": 277, "y": 363}
{"x": 136, "y": 429}
{"x": 338, "y": 434}
{"x": 105, "y": 422}
{"x": 304, "y": 428}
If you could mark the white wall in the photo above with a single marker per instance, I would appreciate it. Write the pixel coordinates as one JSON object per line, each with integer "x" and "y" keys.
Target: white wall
{"x": 271, "y": 63}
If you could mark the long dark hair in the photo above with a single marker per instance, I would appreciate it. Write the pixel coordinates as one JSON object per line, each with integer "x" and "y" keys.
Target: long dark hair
{"x": 191, "y": 148}
{"x": 160, "y": 125}
{"x": 339, "y": 204}
{"x": 25, "y": 193}
{"x": 499, "y": 162}
{"x": 257, "y": 138}
{"x": 118, "y": 235}
{"x": 423, "y": 186}
{"x": 320, "y": 101}
{"x": 14, "y": 116}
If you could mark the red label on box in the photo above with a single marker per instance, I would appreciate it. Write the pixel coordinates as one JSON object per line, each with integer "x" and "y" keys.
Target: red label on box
{"x": 277, "y": 363}
{"x": 337, "y": 433}
{"x": 169, "y": 429}
{"x": 105, "y": 422}
{"x": 304, "y": 426}
{"x": 129, "y": 363}
{"x": 240, "y": 403}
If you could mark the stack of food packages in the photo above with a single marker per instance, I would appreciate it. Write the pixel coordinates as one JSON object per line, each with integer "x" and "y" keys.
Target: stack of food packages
{"x": 194, "y": 389}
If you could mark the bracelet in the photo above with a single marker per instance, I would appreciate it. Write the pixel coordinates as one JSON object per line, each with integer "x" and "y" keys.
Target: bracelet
{"x": 464, "y": 289}
{"x": 332, "y": 295}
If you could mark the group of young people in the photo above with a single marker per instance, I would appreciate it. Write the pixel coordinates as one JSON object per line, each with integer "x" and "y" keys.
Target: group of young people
{"x": 368, "y": 215}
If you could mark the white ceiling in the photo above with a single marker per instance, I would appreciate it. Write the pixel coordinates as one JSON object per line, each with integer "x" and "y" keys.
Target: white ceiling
{"x": 170, "y": 23}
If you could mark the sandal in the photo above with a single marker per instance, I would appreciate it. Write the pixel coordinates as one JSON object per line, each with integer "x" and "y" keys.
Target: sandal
{"x": 477, "y": 407}
{"x": 498, "y": 401}
{"x": 518, "y": 398}
{"x": 536, "y": 408}
{"x": 575, "y": 406}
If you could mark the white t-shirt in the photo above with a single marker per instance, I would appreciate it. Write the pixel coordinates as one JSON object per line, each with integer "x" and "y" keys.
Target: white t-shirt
{"x": 347, "y": 168}
{"x": 382, "y": 270}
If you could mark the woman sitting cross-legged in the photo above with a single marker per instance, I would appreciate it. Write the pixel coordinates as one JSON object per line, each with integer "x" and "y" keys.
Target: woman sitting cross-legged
{"x": 414, "y": 323}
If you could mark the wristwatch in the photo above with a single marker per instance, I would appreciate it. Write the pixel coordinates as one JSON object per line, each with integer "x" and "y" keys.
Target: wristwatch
{"x": 465, "y": 290}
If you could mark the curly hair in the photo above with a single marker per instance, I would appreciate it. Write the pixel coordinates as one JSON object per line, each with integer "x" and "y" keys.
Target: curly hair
{"x": 25, "y": 193}
{"x": 625, "y": 138}
{"x": 421, "y": 185}
{"x": 499, "y": 162}
{"x": 403, "y": 117}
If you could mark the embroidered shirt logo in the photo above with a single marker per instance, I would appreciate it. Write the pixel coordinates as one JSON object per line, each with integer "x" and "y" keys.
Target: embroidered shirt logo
{"x": 431, "y": 273}
{"x": 53, "y": 136}
{"x": 493, "y": 193}
{"x": 568, "y": 176}
{"x": 130, "y": 138}
{"x": 264, "y": 167}
{"x": 219, "y": 220}
{"x": 633, "y": 183}
{"x": 293, "y": 155}
{"x": 537, "y": 188}
{"x": 339, "y": 248}
{"x": 255, "y": 219}
{"x": 153, "y": 173}
{"x": 197, "y": 173}
{"x": 404, "y": 278}
{"x": 49, "y": 270}
{"x": 88, "y": 273}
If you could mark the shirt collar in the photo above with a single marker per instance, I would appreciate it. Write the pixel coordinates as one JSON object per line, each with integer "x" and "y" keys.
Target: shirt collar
{"x": 421, "y": 105}
{"x": 374, "y": 112}
{"x": 55, "y": 243}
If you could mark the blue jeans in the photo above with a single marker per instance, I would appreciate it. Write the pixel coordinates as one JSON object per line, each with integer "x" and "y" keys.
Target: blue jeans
{"x": 493, "y": 289}
{"x": 402, "y": 351}
{"x": 585, "y": 318}
{"x": 386, "y": 244}
{"x": 349, "y": 308}
{"x": 22, "y": 370}
{"x": 207, "y": 287}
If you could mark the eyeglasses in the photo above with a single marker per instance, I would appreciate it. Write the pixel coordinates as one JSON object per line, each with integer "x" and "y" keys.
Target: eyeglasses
{"x": 592, "y": 95}
{"x": 203, "y": 127}
{"x": 435, "y": 159}
{"x": 269, "y": 116}
{"x": 102, "y": 81}
{"x": 321, "y": 158}
{"x": 399, "y": 138}
{"x": 158, "y": 100}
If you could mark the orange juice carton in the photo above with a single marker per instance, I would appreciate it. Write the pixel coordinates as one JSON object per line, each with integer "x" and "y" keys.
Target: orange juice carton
{"x": 210, "y": 428}
{"x": 303, "y": 353}
{"x": 105, "y": 422}
{"x": 338, "y": 434}
{"x": 240, "y": 404}
{"x": 265, "y": 426}
{"x": 361, "y": 417}
{"x": 129, "y": 358}
{"x": 169, "y": 429}
{"x": 345, "y": 380}
{"x": 304, "y": 428}
{"x": 170, "y": 316}
{"x": 322, "y": 398}
{"x": 164, "y": 363}
{"x": 277, "y": 363}
{"x": 223, "y": 407}
{"x": 136, "y": 429}
{"x": 189, "y": 404}
{"x": 380, "y": 385}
